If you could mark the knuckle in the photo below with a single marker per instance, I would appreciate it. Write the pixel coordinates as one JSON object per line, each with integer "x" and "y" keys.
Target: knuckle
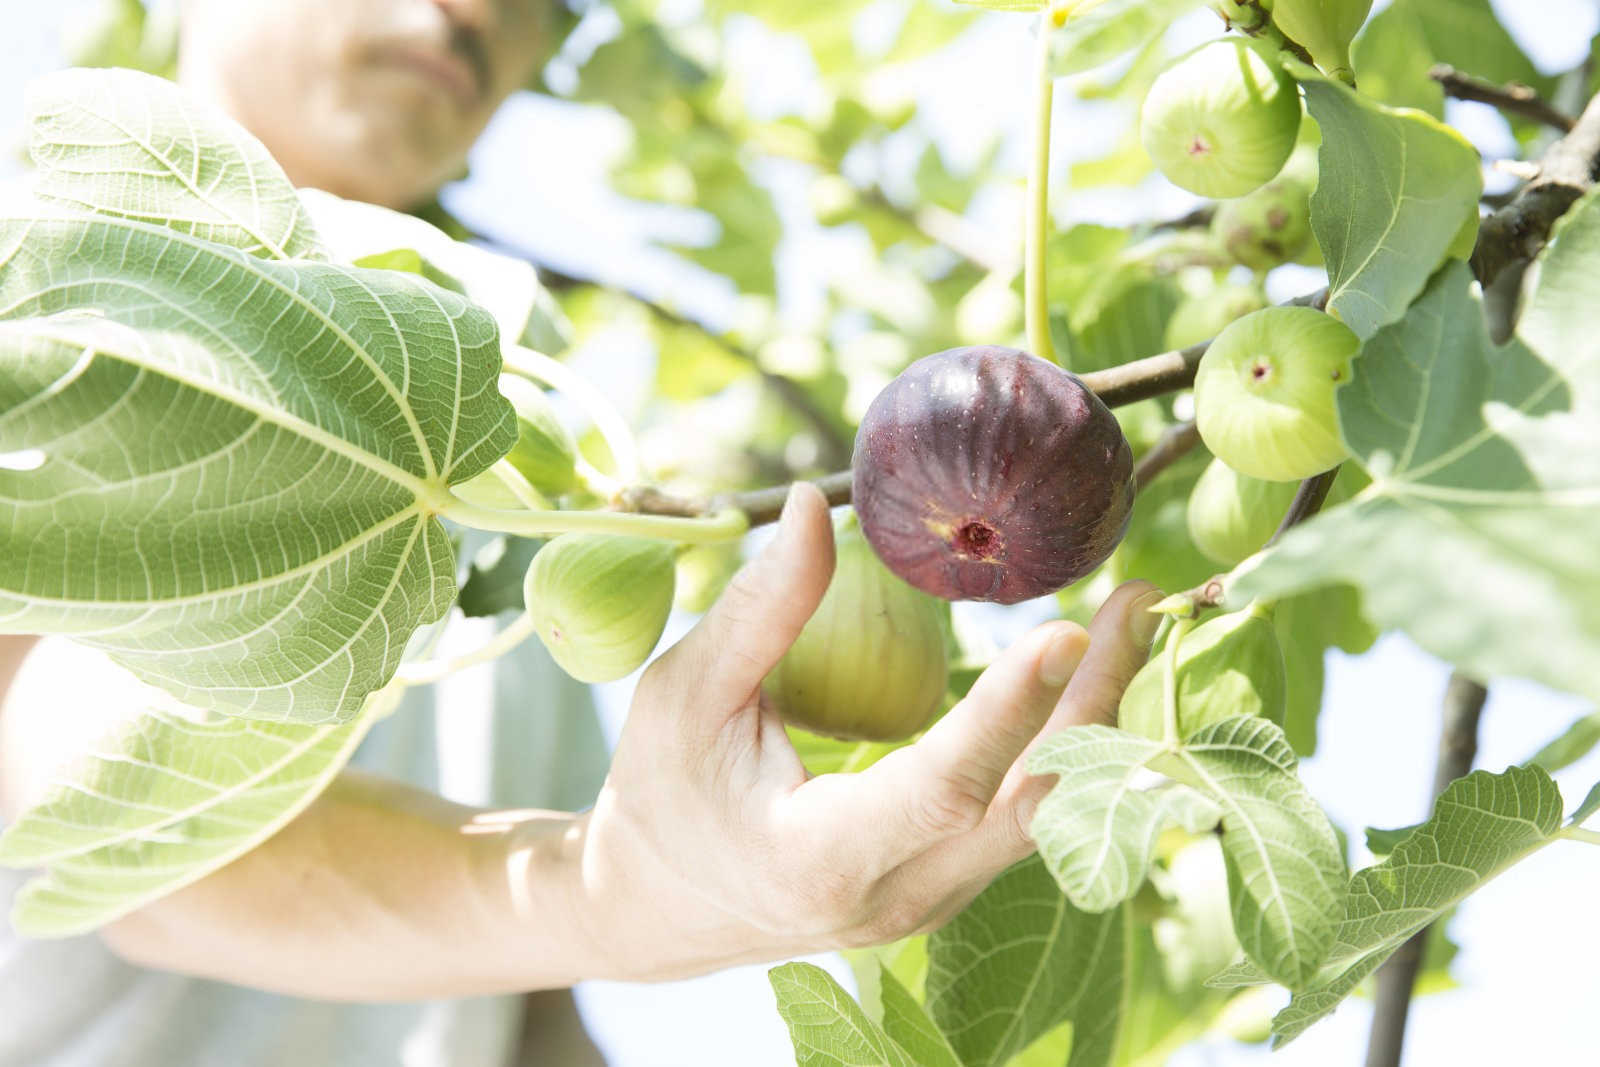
{"x": 955, "y": 804}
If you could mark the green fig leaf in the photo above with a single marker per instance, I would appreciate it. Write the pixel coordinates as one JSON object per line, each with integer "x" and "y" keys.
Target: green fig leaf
{"x": 1021, "y": 960}
{"x": 166, "y": 800}
{"x": 1286, "y": 870}
{"x": 1488, "y": 455}
{"x": 1574, "y": 743}
{"x": 1097, "y": 828}
{"x": 827, "y": 1026}
{"x": 1395, "y": 190}
{"x": 134, "y": 146}
{"x": 1229, "y": 665}
{"x": 1480, "y": 825}
{"x": 908, "y": 1025}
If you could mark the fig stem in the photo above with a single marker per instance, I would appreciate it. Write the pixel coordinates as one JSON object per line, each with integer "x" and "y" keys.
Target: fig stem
{"x": 426, "y": 672}
{"x": 563, "y": 379}
{"x": 726, "y": 525}
{"x": 1513, "y": 98}
{"x": 1169, "y": 681}
{"x": 512, "y": 479}
{"x": 1578, "y": 833}
{"x": 1036, "y": 300}
{"x": 1174, "y": 443}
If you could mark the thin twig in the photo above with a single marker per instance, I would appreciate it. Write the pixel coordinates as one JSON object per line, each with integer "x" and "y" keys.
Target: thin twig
{"x": 1173, "y": 444}
{"x": 1308, "y": 500}
{"x": 1517, "y": 232}
{"x": 1514, "y": 98}
{"x": 834, "y": 445}
{"x": 1458, "y": 747}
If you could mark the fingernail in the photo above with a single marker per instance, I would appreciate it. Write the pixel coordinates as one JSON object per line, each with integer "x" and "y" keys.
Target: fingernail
{"x": 786, "y": 516}
{"x": 1061, "y": 657}
{"x": 1143, "y": 623}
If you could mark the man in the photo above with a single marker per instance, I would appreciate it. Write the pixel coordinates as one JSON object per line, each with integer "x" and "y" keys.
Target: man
{"x": 387, "y": 925}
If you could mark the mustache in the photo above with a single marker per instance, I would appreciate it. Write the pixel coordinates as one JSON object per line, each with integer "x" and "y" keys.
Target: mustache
{"x": 467, "y": 42}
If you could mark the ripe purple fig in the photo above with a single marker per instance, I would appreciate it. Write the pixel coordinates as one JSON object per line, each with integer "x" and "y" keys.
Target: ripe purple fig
{"x": 988, "y": 474}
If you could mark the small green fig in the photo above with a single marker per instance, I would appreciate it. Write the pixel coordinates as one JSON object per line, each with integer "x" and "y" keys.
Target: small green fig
{"x": 1221, "y": 121}
{"x": 1229, "y": 665}
{"x": 1232, "y": 515}
{"x": 545, "y": 452}
{"x": 1324, "y": 28}
{"x": 871, "y": 662}
{"x": 1267, "y": 227}
{"x": 1202, "y": 316}
{"x": 1264, "y": 393}
{"x": 599, "y": 602}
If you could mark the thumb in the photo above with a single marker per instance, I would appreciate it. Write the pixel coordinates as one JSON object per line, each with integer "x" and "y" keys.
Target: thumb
{"x": 758, "y": 616}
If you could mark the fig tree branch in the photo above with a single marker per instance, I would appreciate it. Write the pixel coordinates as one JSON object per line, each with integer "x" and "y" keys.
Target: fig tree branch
{"x": 1173, "y": 444}
{"x": 1515, "y": 233}
{"x": 1513, "y": 98}
{"x": 1458, "y": 747}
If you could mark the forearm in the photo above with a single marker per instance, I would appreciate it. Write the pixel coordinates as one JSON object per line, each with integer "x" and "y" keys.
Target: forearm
{"x": 380, "y": 891}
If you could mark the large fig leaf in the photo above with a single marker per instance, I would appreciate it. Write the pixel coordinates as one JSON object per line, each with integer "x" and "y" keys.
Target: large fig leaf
{"x": 164, "y": 802}
{"x": 118, "y": 142}
{"x": 1477, "y": 535}
{"x": 1481, "y": 825}
{"x": 1019, "y": 961}
{"x": 1394, "y": 192}
{"x": 234, "y": 462}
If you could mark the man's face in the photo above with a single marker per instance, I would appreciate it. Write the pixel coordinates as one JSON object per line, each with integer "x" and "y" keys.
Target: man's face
{"x": 376, "y": 100}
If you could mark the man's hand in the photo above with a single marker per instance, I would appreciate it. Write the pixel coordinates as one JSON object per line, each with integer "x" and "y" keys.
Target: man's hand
{"x": 711, "y": 845}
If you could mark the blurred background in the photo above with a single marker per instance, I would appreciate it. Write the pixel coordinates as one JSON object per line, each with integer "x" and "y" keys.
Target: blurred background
{"x": 827, "y": 191}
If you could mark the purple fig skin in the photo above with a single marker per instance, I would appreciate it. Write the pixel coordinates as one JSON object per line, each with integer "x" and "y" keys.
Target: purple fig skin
{"x": 986, "y": 473}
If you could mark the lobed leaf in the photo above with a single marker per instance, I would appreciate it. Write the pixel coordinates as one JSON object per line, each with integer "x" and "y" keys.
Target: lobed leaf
{"x": 1480, "y": 825}
{"x": 163, "y": 802}
{"x": 1021, "y": 960}
{"x": 1286, "y": 869}
{"x": 827, "y": 1026}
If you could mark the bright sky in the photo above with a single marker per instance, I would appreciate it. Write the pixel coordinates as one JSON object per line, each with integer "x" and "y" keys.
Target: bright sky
{"x": 1526, "y": 969}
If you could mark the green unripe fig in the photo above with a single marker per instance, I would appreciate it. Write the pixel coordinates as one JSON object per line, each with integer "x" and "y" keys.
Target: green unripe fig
{"x": 1267, "y": 227}
{"x": 1264, "y": 393}
{"x": 1229, "y": 665}
{"x": 1246, "y": 16}
{"x": 1221, "y": 120}
{"x": 1202, "y": 316}
{"x": 871, "y": 662}
{"x": 1232, "y": 515}
{"x": 599, "y": 602}
{"x": 1325, "y": 28}
{"x": 545, "y": 452}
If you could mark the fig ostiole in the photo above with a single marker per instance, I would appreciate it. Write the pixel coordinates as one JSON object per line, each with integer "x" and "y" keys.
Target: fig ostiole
{"x": 1222, "y": 120}
{"x": 1228, "y": 666}
{"x": 871, "y": 663}
{"x": 545, "y": 452}
{"x": 986, "y": 473}
{"x": 599, "y": 602}
{"x": 1264, "y": 393}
